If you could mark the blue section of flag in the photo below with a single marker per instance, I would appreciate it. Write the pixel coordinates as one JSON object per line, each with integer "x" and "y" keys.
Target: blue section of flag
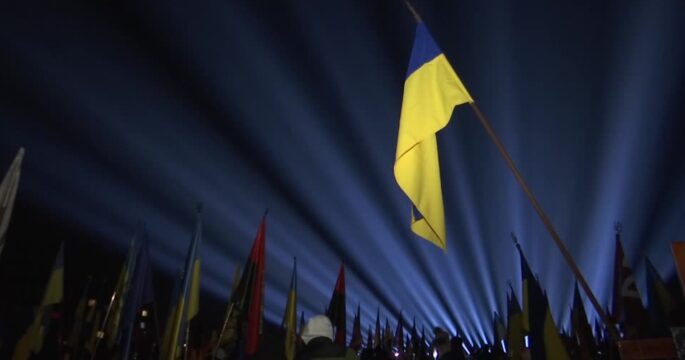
{"x": 425, "y": 49}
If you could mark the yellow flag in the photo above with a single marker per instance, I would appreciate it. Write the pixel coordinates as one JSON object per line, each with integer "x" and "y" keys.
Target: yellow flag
{"x": 290, "y": 317}
{"x": 431, "y": 91}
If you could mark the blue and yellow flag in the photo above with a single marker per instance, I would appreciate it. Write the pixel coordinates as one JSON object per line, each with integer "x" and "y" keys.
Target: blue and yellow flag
{"x": 187, "y": 305}
{"x": 431, "y": 91}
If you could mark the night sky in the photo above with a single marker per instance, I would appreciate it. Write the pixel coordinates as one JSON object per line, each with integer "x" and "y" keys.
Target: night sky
{"x": 136, "y": 112}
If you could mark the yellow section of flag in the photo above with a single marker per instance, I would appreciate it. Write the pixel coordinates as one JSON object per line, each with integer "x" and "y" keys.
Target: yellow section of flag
{"x": 431, "y": 92}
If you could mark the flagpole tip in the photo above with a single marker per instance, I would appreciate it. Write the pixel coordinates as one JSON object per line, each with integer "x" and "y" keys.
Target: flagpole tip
{"x": 618, "y": 227}
{"x": 416, "y": 15}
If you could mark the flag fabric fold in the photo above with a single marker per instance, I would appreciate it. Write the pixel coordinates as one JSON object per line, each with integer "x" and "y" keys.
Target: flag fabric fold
{"x": 431, "y": 90}
{"x": 141, "y": 294}
{"x": 8, "y": 192}
{"x": 356, "y": 340}
{"x": 187, "y": 304}
{"x": 121, "y": 293}
{"x": 514, "y": 327}
{"x": 538, "y": 324}
{"x": 290, "y": 317}
{"x": 399, "y": 335}
{"x": 246, "y": 300}
{"x": 580, "y": 328}
{"x": 661, "y": 304}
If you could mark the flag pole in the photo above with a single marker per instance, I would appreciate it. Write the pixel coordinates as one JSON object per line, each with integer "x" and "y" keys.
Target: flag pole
{"x": 545, "y": 220}
{"x": 538, "y": 209}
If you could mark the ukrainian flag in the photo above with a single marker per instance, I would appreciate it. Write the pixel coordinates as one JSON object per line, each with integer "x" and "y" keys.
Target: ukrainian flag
{"x": 431, "y": 91}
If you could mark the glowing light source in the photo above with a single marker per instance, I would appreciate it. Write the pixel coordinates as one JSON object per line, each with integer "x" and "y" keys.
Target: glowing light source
{"x": 526, "y": 342}
{"x": 504, "y": 345}
{"x": 465, "y": 349}
{"x": 143, "y": 313}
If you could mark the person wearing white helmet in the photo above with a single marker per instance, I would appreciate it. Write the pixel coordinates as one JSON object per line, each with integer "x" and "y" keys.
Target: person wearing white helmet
{"x": 317, "y": 336}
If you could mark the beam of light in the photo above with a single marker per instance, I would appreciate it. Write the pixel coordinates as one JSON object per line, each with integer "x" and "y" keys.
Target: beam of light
{"x": 465, "y": 349}
{"x": 204, "y": 106}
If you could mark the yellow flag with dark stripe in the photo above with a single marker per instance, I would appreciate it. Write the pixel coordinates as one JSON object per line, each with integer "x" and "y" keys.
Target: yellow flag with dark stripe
{"x": 431, "y": 91}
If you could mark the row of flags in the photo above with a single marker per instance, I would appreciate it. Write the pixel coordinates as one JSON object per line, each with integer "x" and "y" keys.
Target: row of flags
{"x": 529, "y": 327}
{"x": 432, "y": 89}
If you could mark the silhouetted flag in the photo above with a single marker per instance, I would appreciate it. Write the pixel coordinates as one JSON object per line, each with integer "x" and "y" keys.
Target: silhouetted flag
{"x": 431, "y": 90}
{"x": 377, "y": 331}
{"x": 248, "y": 297}
{"x": 387, "y": 335}
{"x": 498, "y": 329}
{"x": 93, "y": 320}
{"x": 168, "y": 326}
{"x": 336, "y": 308}
{"x": 141, "y": 294}
{"x": 554, "y": 346}
{"x": 580, "y": 327}
{"x": 661, "y": 304}
{"x": 544, "y": 339}
{"x": 187, "y": 305}
{"x": 414, "y": 337}
{"x": 369, "y": 338}
{"x": 290, "y": 316}
{"x": 121, "y": 293}
{"x": 399, "y": 335}
{"x": 76, "y": 334}
{"x": 356, "y": 340}
{"x": 254, "y": 313}
{"x": 8, "y": 192}
{"x": 627, "y": 308}
{"x": 423, "y": 349}
{"x": 515, "y": 344}
{"x": 32, "y": 341}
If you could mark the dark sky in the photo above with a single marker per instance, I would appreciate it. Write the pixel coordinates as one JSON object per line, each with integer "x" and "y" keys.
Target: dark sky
{"x": 135, "y": 112}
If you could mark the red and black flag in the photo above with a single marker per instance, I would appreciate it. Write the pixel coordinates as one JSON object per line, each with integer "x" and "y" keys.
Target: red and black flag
{"x": 336, "y": 308}
{"x": 247, "y": 299}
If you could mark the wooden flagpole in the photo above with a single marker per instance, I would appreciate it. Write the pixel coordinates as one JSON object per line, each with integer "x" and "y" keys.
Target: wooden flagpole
{"x": 546, "y": 221}
{"x": 538, "y": 209}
